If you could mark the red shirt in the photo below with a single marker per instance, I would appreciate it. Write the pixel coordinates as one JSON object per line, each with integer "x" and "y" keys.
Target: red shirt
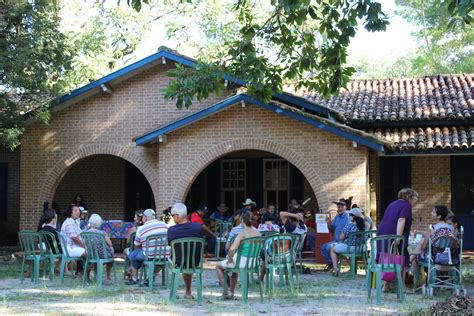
{"x": 195, "y": 218}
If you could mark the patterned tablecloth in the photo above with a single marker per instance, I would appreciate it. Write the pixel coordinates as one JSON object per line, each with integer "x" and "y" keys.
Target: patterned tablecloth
{"x": 117, "y": 229}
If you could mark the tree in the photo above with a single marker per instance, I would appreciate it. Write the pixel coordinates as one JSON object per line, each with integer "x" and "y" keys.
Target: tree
{"x": 33, "y": 56}
{"x": 445, "y": 34}
{"x": 301, "y": 41}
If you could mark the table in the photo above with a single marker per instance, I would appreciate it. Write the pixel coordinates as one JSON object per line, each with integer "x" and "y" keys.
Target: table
{"x": 117, "y": 230}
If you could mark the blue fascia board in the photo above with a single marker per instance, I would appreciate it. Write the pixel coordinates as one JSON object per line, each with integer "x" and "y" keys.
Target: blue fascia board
{"x": 141, "y": 140}
{"x": 135, "y": 66}
{"x": 325, "y": 127}
{"x": 299, "y": 102}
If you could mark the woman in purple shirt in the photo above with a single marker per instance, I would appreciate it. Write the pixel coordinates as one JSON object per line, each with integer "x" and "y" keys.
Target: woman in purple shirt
{"x": 397, "y": 219}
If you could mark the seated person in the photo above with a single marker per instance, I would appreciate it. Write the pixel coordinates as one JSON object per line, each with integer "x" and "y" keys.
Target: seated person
{"x": 198, "y": 217}
{"x": 221, "y": 214}
{"x": 454, "y": 221}
{"x": 268, "y": 223}
{"x": 72, "y": 234}
{"x": 94, "y": 227}
{"x": 151, "y": 226}
{"x": 183, "y": 228}
{"x": 83, "y": 218}
{"x": 356, "y": 223}
{"x": 440, "y": 229}
{"x": 48, "y": 223}
{"x": 138, "y": 221}
{"x": 248, "y": 232}
{"x": 235, "y": 231}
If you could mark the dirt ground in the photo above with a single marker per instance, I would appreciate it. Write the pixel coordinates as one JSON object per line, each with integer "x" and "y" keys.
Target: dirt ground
{"x": 319, "y": 293}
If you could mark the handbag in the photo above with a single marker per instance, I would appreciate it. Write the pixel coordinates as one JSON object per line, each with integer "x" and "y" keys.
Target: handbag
{"x": 384, "y": 258}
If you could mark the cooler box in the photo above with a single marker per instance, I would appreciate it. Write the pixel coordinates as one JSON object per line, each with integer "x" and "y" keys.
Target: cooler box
{"x": 321, "y": 239}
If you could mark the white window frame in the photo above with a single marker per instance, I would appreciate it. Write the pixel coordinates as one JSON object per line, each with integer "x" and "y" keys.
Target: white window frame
{"x": 280, "y": 188}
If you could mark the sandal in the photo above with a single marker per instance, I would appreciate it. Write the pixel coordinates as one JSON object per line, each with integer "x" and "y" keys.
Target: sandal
{"x": 228, "y": 296}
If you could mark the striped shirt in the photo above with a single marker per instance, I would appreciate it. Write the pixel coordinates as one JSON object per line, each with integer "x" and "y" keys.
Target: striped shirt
{"x": 152, "y": 227}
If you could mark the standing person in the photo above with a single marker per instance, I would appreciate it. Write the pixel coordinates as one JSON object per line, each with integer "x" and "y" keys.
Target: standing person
{"x": 79, "y": 201}
{"x": 397, "y": 220}
{"x": 72, "y": 233}
{"x": 183, "y": 228}
{"x": 151, "y": 226}
{"x": 335, "y": 227}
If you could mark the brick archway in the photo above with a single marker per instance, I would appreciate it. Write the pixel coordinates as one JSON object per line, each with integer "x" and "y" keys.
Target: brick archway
{"x": 56, "y": 173}
{"x": 196, "y": 166}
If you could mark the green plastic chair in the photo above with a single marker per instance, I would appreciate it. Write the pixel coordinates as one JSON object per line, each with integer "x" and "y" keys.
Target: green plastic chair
{"x": 297, "y": 253}
{"x": 359, "y": 250}
{"x": 156, "y": 256}
{"x": 385, "y": 244}
{"x": 30, "y": 243}
{"x": 52, "y": 250}
{"x": 94, "y": 243}
{"x": 189, "y": 248}
{"x": 268, "y": 233}
{"x": 252, "y": 265}
{"x": 223, "y": 229}
{"x": 131, "y": 247}
{"x": 65, "y": 258}
{"x": 279, "y": 256}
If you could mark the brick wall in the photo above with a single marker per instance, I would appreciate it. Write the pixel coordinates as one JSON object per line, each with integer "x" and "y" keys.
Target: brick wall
{"x": 13, "y": 190}
{"x": 330, "y": 164}
{"x": 431, "y": 178}
{"x": 106, "y": 124}
{"x": 101, "y": 181}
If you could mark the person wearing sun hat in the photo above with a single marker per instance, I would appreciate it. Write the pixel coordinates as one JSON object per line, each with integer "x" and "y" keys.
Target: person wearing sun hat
{"x": 356, "y": 223}
{"x": 250, "y": 205}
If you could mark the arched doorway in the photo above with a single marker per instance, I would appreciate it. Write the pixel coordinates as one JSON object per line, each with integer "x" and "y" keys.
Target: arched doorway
{"x": 111, "y": 186}
{"x": 263, "y": 176}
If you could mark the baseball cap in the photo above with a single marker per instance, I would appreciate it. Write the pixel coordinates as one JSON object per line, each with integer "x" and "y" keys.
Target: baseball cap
{"x": 82, "y": 209}
{"x": 340, "y": 202}
{"x": 179, "y": 209}
{"x": 149, "y": 213}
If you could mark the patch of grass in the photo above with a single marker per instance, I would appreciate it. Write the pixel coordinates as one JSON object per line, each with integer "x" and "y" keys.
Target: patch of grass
{"x": 10, "y": 270}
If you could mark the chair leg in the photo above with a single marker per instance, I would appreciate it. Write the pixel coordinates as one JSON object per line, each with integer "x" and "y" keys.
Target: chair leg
{"x": 290, "y": 277}
{"x": 51, "y": 267}
{"x": 259, "y": 284}
{"x": 217, "y": 248}
{"x": 23, "y": 263}
{"x": 353, "y": 266}
{"x": 378, "y": 280}
{"x": 280, "y": 276}
{"x": 61, "y": 272}
{"x": 115, "y": 274}
{"x": 400, "y": 285}
{"x": 245, "y": 289}
{"x": 151, "y": 272}
{"x": 86, "y": 273}
{"x": 199, "y": 287}
{"x": 100, "y": 272}
{"x": 174, "y": 286}
{"x": 368, "y": 282}
{"x": 36, "y": 267}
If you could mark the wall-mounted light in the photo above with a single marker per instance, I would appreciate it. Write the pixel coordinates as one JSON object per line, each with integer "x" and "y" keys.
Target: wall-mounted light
{"x": 104, "y": 88}
{"x": 162, "y": 138}
{"x": 163, "y": 60}
{"x": 242, "y": 103}
{"x": 354, "y": 144}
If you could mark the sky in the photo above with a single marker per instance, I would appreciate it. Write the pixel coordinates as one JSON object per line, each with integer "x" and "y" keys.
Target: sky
{"x": 379, "y": 47}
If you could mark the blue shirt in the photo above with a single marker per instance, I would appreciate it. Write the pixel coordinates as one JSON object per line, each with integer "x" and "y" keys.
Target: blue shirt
{"x": 338, "y": 224}
{"x": 217, "y": 216}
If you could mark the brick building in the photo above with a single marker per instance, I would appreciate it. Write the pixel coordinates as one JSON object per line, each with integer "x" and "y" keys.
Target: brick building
{"x": 123, "y": 147}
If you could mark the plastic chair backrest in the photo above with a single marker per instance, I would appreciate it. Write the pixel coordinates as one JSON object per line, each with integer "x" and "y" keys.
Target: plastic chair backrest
{"x": 223, "y": 228}
{"x": 298, "y": 242}
{"x": 156, "y": 246}
{"x": 132, "y": 242}
{"x": 30, "y": 243}
{"x": 95, "y": 244}
{"x": 254, "y": 246}
{"x": 50, "y": 241}
{"x": 268, "y": 233}
{"x": 64, "y": 245}
{"x": 190, "y": 251}
{"x": 281, "y": 246}
{"x": 358, "y": 241}
{"x": 386, "y": 246}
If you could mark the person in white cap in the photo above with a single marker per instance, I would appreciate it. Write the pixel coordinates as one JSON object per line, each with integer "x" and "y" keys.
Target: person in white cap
{"x": 183, "y": 228}
{"x": 356, "y": 223}
{"x": 151, "y": 226}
